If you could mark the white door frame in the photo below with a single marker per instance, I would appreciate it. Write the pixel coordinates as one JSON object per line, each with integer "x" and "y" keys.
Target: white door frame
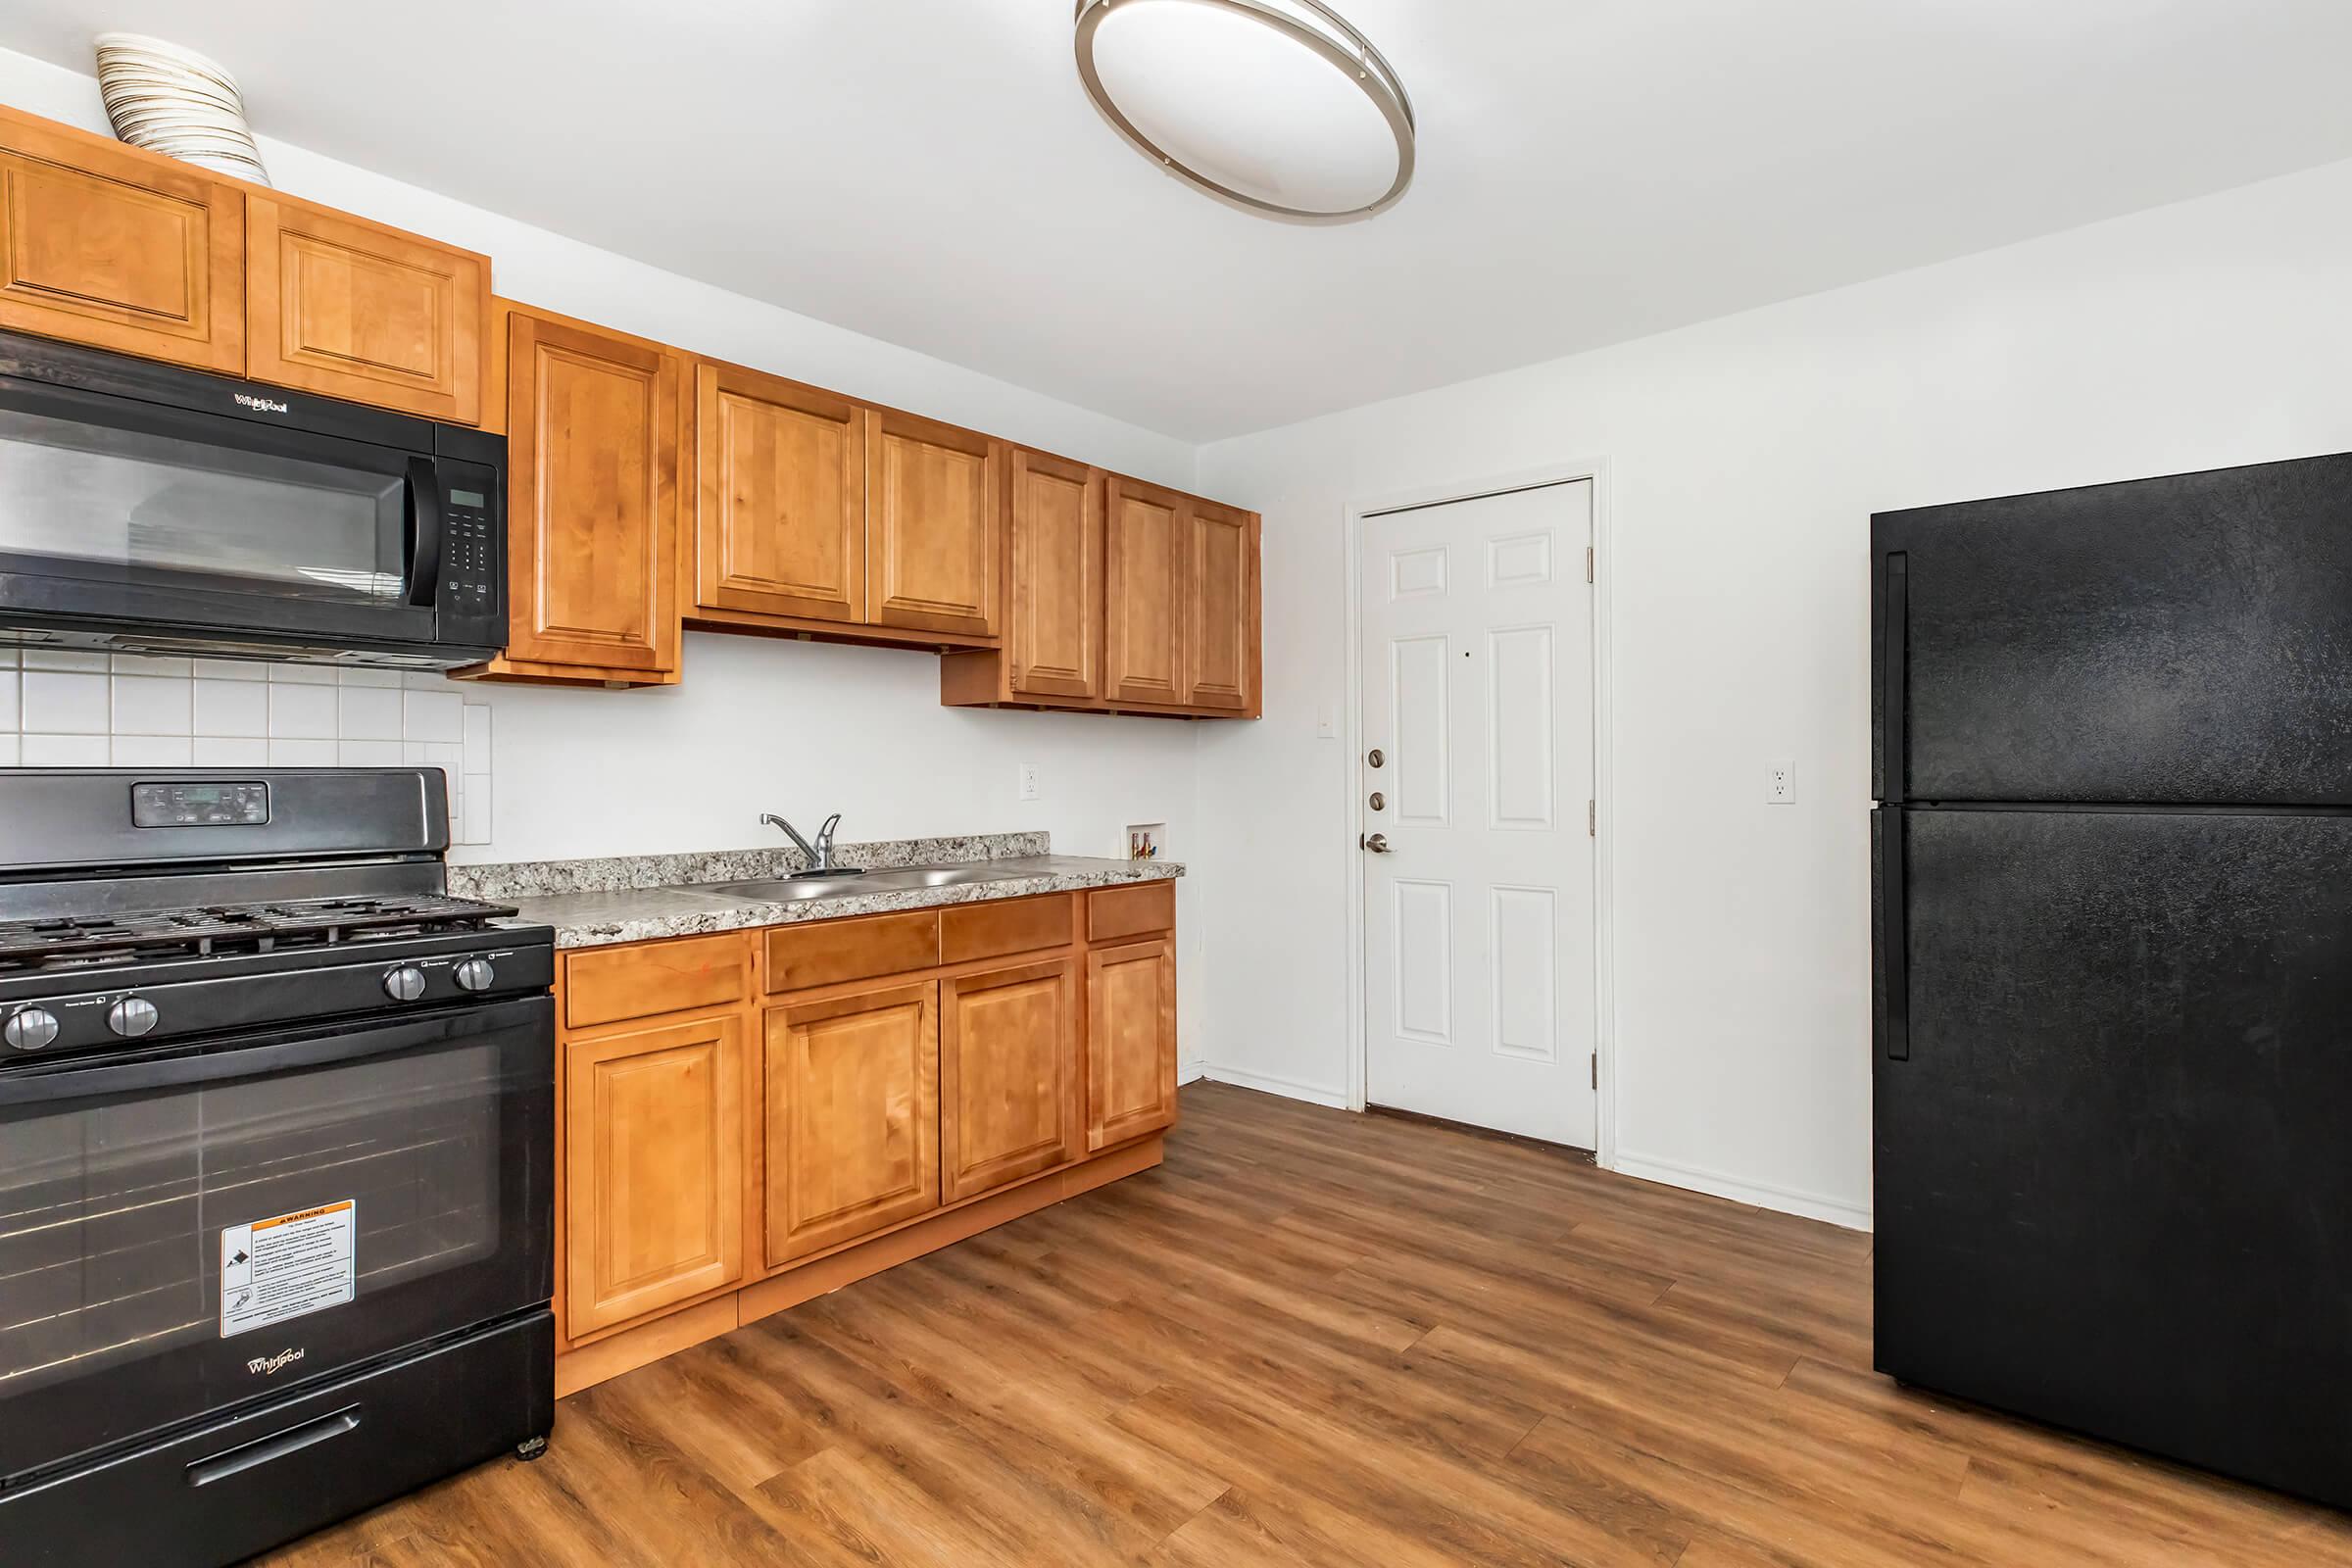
{"x": 1351, "y": 729}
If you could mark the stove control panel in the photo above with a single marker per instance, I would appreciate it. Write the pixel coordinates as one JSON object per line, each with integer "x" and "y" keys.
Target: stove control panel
{"x": 29, "y": 1029}
{"x": 211, "y": 804}
{"x": 404, "y": 984}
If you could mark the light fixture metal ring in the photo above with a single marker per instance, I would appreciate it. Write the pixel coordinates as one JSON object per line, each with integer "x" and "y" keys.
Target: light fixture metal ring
{"x": 1345, "y": 48}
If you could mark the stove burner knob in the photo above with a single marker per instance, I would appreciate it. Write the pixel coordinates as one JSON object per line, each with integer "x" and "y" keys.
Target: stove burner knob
{"x": 131, "y": 1016}
{"x": 475, "y": 974}
{"x": 30, "y": 1028}
{"x": 404, "y": 984}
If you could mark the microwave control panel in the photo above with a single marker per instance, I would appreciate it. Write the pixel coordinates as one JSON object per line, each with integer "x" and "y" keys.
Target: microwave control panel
{"x": 468, "y": 573}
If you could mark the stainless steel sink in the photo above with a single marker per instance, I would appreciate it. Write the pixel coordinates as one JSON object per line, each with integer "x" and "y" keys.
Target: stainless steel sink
{"x": 938, "y": 877}
{"x": 789, "y": 890}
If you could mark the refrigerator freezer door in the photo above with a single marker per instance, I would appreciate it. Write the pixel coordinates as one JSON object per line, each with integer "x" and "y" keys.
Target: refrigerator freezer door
{"x": 2113, "y": 1192}
{"x": 2175, "y": 640}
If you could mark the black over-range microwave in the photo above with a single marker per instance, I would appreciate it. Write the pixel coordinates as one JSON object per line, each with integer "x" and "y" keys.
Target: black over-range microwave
{"x": 151, "y": 509}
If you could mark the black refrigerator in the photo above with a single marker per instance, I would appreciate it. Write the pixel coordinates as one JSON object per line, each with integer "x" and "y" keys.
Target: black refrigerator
{"x": 2112, "y": 899}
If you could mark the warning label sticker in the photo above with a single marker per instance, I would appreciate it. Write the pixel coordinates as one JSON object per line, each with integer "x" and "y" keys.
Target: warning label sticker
{"x": 288, "y": 1266}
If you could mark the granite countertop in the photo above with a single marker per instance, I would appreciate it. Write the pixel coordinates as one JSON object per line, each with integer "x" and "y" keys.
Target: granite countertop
{"x": 632, "y": 899}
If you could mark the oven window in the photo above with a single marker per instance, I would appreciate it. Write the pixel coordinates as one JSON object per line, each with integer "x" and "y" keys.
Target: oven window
{"x": 256, "y": 521}
{"x": 112, "y": 1214}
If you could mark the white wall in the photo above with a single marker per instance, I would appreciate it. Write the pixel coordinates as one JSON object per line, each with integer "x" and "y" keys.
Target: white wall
{"x": 762, "y": 725}
{"x": 1746, "y": 457}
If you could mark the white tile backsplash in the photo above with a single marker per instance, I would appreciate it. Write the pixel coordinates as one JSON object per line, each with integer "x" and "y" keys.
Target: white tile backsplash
{"x": 68, "y": 708}
{"x": 301, "y": 752}
{"x": 231, "y": 707}
{"x": 65, "y": 659}
{"x": 231, "y": 750}
{"x": 369, "y": 714}
{"x": 301, "y": 712}
{"x": 434, "y": 716}
{"x": 153, "y": 751}
{"x": 60, "y": 703}
{"x": 65, "y": 750}
{"x": 152, "y": 704}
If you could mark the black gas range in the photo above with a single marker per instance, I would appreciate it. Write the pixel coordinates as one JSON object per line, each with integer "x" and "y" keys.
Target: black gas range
{"x": 276, "y": 1127}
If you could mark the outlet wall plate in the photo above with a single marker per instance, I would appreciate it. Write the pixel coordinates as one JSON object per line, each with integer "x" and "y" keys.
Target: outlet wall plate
{"x": 1780, "y": 782}
{"x": 1028, "y": 786}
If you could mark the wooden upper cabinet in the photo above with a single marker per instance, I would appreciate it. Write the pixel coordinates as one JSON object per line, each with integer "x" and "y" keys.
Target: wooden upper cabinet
{"x": 934, "y": 498}
{"x": 1220, "y": 608}
{"x": 349, "y": 308}
{"x": 120, "y": 250}
{"x": 653, "y": 1151}
{"x": 1008, "y": 1076}
{"x": 1130, "y": 1042}
{"x": 593, "y": 439}
{"x": 1145, "y": 541}
{"x": 1057, "y": 583}
{"x": 852, "y": 1117}
{"x": 779, "y": 525}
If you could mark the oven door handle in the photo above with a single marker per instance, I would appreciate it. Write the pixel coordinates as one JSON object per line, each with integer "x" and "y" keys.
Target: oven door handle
{"x": 426, "y": 532}
{"x": 69, "y": 1080}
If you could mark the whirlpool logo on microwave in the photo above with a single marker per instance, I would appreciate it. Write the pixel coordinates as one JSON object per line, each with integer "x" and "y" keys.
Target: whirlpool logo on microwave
{"x": 268, "y": 1366}
{"x": 247, "y": 399}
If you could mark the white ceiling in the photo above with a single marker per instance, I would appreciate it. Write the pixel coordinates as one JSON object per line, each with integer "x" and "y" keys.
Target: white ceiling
{"x": 929, "y": 171}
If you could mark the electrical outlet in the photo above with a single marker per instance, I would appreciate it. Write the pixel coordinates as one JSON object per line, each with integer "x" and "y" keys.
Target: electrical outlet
{"x": 1327, "y": 724}
{"x": 1780, "y": 782}
{"x": 1028, "y": 781}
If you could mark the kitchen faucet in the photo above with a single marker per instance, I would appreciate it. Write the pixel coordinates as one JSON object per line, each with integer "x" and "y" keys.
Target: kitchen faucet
{"x": 820, "y": 854}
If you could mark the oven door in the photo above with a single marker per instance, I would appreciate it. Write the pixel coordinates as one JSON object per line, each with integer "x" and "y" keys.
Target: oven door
{"x": 184, "y": 1232}
{"x": 131, "y": 514}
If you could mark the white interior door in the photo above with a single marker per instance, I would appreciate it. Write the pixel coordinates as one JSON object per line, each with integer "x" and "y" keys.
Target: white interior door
{"x": 1479, "y": 918}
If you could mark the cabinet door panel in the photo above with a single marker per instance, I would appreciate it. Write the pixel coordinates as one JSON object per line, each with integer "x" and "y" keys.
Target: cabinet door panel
{"x": 1009, "y": 1065}
{"x": 780, "y": 509}
{"x": 351, "y": 310}
{"x": 1057, "y": 586}
{"x": 654, "y": 1150}
{"x": 1143, "y": 609}
{"x": 1220, "y": 633}
{"x": 592, "y": 496}
{"x": 99, "y": 246}
{"x": 1130, "y": 1042}
{"x": 852, "y": 1118}
{"x": 934, "y": 504}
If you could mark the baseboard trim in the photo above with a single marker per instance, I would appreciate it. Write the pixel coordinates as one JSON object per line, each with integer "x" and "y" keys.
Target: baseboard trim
{"x": 1287, "y": 1088}
{"x": 1763, "y": 1195}
{"x": 1188, "y": 1072}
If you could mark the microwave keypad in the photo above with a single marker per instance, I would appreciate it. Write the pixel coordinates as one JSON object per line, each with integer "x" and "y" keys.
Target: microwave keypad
{"x": 466, "y": 566}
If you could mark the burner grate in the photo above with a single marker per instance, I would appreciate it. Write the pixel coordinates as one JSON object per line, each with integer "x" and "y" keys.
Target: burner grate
{"x": 232, "y": 928}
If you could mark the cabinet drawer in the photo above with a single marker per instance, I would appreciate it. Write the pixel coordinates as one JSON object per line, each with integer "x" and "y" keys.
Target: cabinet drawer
{"x": 1014, "y": 925}
{"x": 1115, "y": 912}
{"x": 824, "y": 953}
{"x": 604, "y": 985}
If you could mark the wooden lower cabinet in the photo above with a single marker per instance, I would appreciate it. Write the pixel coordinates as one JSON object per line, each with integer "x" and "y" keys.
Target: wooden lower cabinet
{"x": 852, "y": 1117}
{"x": 844, "y": 1095}
{"x": 654, "y": 1169}
{"x": 1008, "y": 1076}
{"x": 1130, "y": 1041}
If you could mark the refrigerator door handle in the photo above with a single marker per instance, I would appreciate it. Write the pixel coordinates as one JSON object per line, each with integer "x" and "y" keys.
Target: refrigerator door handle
{"x": 1895, "y": 731}
{"x": 1895, "y": 966}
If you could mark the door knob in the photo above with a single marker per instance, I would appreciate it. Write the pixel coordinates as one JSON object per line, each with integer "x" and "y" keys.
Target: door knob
{"x": 1377, "y": 843}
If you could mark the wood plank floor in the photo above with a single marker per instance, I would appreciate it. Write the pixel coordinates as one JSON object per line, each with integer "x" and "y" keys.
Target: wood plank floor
{"x": 1324, "y": 1339}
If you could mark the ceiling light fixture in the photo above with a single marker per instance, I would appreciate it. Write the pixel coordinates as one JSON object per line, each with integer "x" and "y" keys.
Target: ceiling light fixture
{"x": 1277, "y": 104}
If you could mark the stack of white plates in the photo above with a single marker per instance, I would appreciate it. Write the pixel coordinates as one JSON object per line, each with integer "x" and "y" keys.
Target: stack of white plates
{"x": 174, "y": 100}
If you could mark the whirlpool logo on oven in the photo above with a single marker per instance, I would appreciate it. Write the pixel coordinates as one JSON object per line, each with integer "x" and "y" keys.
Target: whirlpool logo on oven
{"x": 268, "y": 1366}
{"x": 247, "y": 399}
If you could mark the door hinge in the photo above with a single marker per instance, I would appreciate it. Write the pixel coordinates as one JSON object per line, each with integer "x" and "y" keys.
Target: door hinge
{"x": 1597, "y": 1069}
{"x": 1589, "y": 563}
{"x": 1591, "y": 819}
